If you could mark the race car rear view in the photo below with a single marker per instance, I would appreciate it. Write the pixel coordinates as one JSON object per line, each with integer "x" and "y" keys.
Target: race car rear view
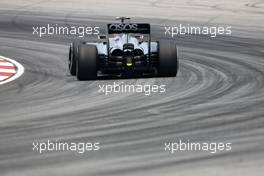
{"x": 126, "y": 49}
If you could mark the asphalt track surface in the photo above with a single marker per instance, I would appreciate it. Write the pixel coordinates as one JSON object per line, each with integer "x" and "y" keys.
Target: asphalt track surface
{"x": 218, "y": 95}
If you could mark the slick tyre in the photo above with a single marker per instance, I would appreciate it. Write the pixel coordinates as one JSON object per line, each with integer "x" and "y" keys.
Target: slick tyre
{"x": 87, "y": 62}
{"x": 168, "y": 59}
{"x": 73, "y": 56}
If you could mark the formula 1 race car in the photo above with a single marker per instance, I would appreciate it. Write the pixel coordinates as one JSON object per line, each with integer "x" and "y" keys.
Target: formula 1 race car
{"x": 126, "y": 49}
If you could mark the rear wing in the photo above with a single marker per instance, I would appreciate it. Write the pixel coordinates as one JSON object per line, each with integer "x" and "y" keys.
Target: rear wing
{"x": 117, "y": 28}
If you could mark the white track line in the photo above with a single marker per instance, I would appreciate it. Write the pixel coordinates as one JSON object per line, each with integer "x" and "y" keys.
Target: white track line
{"x": 3, "y": 78}
{"x": 20, "y": 70}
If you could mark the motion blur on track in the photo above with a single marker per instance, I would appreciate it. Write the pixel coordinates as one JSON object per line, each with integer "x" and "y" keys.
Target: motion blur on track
{"x": 217, "y": 95}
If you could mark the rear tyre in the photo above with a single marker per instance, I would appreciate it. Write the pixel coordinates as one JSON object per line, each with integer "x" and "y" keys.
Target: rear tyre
{"x": 73, "y": 56}
{"x": 87, "y": 62}
{"x": 168, "y": 59}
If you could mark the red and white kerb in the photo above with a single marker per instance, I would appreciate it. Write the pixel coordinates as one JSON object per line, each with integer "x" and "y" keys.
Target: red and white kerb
{"x": 9, "y": 70}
